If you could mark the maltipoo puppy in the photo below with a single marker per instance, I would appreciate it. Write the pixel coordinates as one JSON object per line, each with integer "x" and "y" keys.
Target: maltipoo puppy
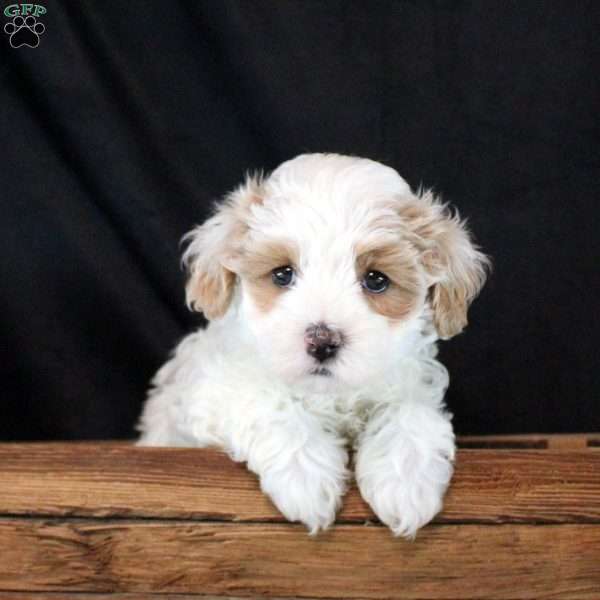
{"x": 327, "y": 285}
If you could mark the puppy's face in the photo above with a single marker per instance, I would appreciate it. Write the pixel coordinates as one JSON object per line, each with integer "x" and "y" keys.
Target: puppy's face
{"x": 339, "y": 268}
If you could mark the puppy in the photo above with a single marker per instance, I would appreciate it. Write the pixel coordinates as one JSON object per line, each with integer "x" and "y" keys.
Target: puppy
{"x": 327, "y": 285}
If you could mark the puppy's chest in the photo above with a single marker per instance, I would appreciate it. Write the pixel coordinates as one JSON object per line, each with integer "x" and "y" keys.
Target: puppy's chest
{"x": 346, "y": 415}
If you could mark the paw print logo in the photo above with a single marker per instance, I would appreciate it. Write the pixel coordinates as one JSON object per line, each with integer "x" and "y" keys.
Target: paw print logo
{"x": 24, "y": 31}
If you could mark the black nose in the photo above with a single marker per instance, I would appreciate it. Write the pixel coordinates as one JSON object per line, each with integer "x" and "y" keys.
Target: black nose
{"x": 322, "y": 343}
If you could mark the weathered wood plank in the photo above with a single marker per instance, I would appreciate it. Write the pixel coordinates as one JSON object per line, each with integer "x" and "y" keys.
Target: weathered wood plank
{"x": 118, "y": 480}
{"x": 125, "y": 596}
{"x": 555, "y": 441}
{"x": 154, "y": 596}
{"x": 158, "y": 596}
{"x": 446, "y": 561}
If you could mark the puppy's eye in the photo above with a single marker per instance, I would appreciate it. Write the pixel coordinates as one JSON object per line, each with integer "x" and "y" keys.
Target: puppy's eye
{"x": 375, "y": 282}
{"x": 283, "y": 276}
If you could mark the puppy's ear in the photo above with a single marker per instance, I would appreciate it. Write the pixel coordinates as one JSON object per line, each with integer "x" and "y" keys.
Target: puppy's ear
{"x": 213, "y": 245}
{"x": 456, "y": 268}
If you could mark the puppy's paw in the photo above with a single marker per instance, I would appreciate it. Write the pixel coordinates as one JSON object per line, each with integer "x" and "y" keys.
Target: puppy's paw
{"x": 406, "y": 491}
{"x": 309, "y": 487}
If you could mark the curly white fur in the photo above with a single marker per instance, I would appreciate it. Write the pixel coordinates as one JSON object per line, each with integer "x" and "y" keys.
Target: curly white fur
{"x": 246, "y": 384}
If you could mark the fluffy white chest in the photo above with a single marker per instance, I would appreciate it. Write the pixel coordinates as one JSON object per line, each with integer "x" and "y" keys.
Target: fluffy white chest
{"x": 346, "y": 414}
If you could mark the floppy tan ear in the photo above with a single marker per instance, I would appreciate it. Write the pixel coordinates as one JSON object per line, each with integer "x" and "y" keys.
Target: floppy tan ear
{"x": 212, "y": 245}
{"x": 456, "y": 268}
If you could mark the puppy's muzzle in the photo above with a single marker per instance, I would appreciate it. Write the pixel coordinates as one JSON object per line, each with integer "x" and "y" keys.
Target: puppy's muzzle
{"x": 322, "y": 342}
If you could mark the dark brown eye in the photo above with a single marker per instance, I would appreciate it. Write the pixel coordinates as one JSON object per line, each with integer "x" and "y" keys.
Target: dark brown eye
{"x": 375, "y": 282}
{"x": 283, "y": 276}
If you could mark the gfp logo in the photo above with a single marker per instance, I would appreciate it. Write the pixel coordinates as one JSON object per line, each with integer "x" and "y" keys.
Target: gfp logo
{"x": 24, "y": 29}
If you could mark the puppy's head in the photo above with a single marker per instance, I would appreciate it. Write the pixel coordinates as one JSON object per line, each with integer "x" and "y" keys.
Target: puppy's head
{"x": 337, "y": 266}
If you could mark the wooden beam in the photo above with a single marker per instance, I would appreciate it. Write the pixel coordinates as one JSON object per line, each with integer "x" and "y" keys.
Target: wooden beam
{"x": 539, "y": 441}
{"x": 108, "y": 521}
{"x": 445, "y": 562}
{"x": 120, "y": 596}
{"x": 120, "y": 481}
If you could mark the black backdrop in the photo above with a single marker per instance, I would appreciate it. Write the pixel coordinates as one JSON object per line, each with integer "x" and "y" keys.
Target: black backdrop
{"x": 130, "y": 117}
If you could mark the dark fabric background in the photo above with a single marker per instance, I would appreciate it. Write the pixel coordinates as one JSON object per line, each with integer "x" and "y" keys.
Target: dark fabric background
{"x": 130, "y": 117}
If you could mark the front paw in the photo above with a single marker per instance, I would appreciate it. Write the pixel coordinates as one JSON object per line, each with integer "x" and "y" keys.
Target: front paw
{"x": 309, "y": 487}
{"x": 405, "y": 491}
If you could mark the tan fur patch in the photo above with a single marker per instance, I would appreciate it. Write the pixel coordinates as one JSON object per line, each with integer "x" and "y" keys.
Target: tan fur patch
{"x": 449, "y": 255}
{"x": 449, "y": 310}
{"x": 398, "y": 262}
{"x": 214, "y": 247}
{"x": 211, "y": 292}
{"x": 256, "y": 265}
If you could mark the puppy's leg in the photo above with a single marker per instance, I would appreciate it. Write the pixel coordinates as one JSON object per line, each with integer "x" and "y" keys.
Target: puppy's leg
{"x": 404, "y": 465}
{"x": 302, "y": 467}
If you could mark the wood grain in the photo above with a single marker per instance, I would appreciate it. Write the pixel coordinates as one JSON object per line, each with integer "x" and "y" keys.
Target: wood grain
{"x": 117, "y": 480}
{"x": 446, "y": 561}
{"x": 554, "y": 441}
{"x": 125, "y": 596}
{"x": 126, "y": 523}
